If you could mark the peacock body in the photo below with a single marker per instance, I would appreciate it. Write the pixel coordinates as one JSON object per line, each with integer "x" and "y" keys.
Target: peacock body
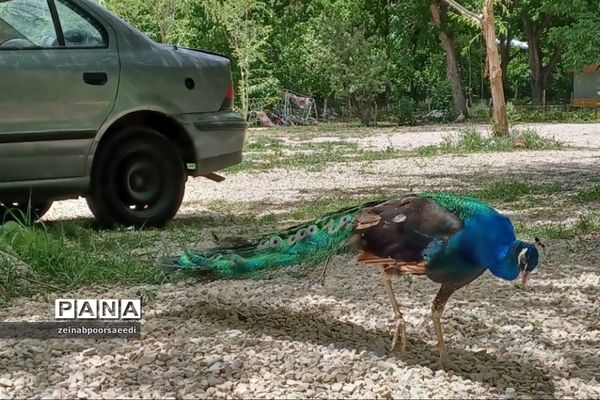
{"x": 455, "y": 236}
{"x": 448, "y": 238}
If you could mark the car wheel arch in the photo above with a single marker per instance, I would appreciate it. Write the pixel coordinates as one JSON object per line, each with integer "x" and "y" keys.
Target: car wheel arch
{"x": 161, "y": 122}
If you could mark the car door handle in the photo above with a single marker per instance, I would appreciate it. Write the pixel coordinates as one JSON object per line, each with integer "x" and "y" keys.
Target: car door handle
{"x": 95, "y": 78}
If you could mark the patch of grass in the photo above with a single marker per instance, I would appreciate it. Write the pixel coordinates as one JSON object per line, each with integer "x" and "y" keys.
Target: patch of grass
{"x": 68, "y": 256}
{"x": 263, "y": 143}
{"x": 265, "y": 153}
{"x": 311, "y": 156}
{"x": 472, "y": 141}
{"x": 585, "y": 225}
{"x": 510, "y": 191}
{"x": 590, "y": 195}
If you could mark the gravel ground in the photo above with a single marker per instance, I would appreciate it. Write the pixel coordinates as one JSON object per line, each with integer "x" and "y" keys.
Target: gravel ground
{"x": 285, "y": 338}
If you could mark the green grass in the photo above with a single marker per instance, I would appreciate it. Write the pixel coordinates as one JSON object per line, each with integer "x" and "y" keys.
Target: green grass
{"x": 265, "y": 153}
{"x": 590, "y": 195}
{"x": 585, "y": 225}
{"x": 68, "y": 256}
{"x": 472, "y": 141}
{"x": 309, "y": 156}
{"x": 511, "y": 191}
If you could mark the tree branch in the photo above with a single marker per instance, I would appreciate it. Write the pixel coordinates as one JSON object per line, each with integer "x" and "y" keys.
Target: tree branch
{"x": 554, "y": 59}
{"x": 545, "y": 22}
{"x": 477, "y": 18}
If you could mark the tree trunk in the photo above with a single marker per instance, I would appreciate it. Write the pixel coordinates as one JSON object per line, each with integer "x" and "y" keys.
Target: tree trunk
{"x": 540, "y": 73}
{"x": 505, "y": 55}
{"x": 536, "y": 80}
{"x": 439, "y": 18}
{"x": 494, "y": 70}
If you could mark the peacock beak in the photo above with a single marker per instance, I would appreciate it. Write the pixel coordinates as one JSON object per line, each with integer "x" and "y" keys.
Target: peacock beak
{"x": 524, "y": 278}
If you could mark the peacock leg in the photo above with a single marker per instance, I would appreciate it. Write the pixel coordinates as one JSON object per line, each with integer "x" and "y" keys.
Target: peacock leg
{"x": 322, "y": 277}
{"x": 400, "y": 330}
{"x": 437, "y": 308}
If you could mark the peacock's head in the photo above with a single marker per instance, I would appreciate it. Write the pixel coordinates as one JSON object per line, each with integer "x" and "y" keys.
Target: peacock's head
{"x": 528, "y": 258}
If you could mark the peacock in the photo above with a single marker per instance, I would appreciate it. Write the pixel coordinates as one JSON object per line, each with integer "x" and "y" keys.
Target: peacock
{"x": 450, "y": 239}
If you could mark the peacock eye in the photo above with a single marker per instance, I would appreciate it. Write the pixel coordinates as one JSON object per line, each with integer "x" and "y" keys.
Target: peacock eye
{"x": 302, "y": 233}
{"x": 345, "y": 219}
{"x": 312, "y": 230}
{"x": 263, "y": 244}
{"x": 275, "y": 242}
{"x": 292, "y": 239}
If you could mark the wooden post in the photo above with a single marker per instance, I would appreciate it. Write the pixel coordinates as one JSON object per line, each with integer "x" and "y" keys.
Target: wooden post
{"x": 544, "y": 99}
{"x": 486, "y": 22}
{"x": 495, "y": 70}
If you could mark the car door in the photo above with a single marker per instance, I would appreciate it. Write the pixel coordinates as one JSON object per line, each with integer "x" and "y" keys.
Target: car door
{"x": 59, "y": 69}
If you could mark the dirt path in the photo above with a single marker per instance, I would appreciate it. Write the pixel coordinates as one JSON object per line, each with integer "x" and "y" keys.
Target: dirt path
{"x": 282, "y": 338}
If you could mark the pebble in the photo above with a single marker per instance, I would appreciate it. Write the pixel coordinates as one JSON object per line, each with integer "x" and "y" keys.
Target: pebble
{"x": 89, "y": 352}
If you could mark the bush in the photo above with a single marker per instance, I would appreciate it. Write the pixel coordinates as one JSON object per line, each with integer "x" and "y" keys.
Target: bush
{"x": 400, "y": 111}
{"x": 480, "y": 111}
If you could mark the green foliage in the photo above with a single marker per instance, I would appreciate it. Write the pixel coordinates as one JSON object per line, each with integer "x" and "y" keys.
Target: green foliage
{"x": 586, "y": 224}
{"x": 402, "y": 111}
{"x": 471, "y": 140}
{"x": 480, "y": 111}
{"x": 590, "y": 195}
{"x": 69, "y": 256}
{"x": 579, "y": 33}
{"x": 248, "y": 38}
{"x": 353, "y": 61}
{"x": 510, "y": 191}
{"x": 359, "y": 56}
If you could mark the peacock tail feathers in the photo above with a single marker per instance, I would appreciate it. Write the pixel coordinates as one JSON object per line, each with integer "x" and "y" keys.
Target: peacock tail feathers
{"x": 310, "y": 242}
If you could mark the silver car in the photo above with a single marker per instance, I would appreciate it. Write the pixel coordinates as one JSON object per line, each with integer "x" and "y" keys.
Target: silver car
{"x": 90, "y": 106}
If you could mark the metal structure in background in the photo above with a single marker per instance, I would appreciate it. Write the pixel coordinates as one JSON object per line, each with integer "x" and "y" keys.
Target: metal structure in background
{"x": 293, "y": 109}
{"x": 297, "y": 108}
{"x": 586, "y": 87}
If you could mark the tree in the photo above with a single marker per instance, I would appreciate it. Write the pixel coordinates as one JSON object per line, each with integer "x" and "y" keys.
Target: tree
{"x": 162, "y": 20}
{"x": 248, "y": 37}
{"x": 353, "y": 61}
{"x": 485, "y": 21}
{"x": 537, "y": 18}
{"x": 439, "y": 16}
{"x": 580, "y": 32}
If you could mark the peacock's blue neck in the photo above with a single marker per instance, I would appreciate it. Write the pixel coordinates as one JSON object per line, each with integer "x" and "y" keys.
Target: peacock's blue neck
{"x": 508, "y": 267}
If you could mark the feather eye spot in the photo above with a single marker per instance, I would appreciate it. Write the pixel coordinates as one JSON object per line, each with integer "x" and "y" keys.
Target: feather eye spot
{"x": 399, "y": 218}
{"x": 302, "y": 233}
{"x": 313, "y": 229}
{"x": 345, "y": 219}
{"x": 292, "y": 240}
{"x": 275, "y": 241}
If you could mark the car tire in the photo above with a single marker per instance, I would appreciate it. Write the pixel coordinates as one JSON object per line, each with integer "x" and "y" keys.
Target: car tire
{"x": 21, "y": 211}
{"x": 138, "y": 179}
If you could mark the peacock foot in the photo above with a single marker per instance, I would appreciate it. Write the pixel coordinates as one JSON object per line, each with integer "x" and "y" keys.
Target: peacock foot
{"x": 399, "y": 336}
{"x": 444, "y": 363}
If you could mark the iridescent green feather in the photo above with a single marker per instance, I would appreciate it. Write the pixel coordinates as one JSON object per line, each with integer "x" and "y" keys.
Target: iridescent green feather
{"x": 310, "y": 242}
{"x": 462, "y": 206}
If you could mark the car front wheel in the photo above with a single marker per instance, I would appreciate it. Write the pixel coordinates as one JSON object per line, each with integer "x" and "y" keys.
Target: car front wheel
{"x": 138, "y": 180}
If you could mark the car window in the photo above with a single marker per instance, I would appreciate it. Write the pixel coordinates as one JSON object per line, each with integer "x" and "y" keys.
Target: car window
{"x": 78, "y": 27}
{"x": 26, "y": 24}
